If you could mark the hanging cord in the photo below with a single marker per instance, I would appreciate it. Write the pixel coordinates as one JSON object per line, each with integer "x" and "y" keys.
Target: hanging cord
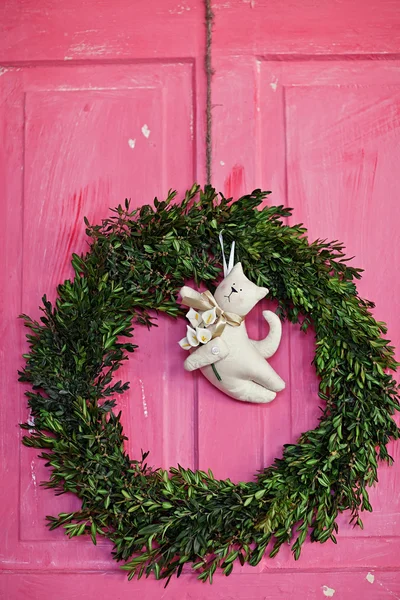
{"x": 227, "y": 267}
{"x": 209, "y": 73}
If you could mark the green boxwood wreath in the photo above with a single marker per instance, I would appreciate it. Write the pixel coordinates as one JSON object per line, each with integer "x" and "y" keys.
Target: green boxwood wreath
{"x": 160, "y": 520}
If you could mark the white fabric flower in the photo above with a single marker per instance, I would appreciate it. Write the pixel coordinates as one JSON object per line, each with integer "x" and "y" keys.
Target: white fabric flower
{"x": 203, "y": 335}
{"x": 192, "y": 337}
{"x": 209, "y": 316}
{"x": 184, "y": 343}
{"x": 194, "y": 317}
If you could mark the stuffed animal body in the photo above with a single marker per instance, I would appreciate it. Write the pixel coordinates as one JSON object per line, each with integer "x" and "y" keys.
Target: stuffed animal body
{"x": 244, "y": 374}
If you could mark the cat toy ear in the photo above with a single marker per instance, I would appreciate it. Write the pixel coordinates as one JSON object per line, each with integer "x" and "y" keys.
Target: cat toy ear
{"x": 263, "y": 292}
{"x": 227, "y": 269}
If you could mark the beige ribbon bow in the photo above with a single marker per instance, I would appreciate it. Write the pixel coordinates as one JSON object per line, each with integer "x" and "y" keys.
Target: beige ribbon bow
{"x": 206, "y": 301}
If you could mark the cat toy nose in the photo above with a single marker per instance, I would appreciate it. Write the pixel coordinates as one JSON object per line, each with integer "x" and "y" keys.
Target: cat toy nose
{"x": 233, "y": 290}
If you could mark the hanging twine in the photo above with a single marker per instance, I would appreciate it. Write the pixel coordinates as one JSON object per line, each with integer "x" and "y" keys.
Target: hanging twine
{"x": 209, "y": 73}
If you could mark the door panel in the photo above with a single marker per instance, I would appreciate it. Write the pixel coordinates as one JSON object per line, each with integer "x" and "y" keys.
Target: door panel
{"x": 272, "y": 586}
{"x": 87, "y": 141}
{"x": 324, "y": 136}
{"x": 78, "y": 141}
{"x": 292, "y": 28}
{"x": 99, "y": 31}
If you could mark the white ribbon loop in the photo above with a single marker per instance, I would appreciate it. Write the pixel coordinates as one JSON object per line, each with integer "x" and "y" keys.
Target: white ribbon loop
{"x": 227, "y": 269}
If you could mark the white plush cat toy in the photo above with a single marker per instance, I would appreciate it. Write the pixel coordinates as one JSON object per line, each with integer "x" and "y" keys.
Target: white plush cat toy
{"x": 218, "y": 340}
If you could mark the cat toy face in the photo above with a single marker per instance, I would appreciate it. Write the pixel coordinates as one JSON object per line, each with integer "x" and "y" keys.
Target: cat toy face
{"x": 237, "y": 294}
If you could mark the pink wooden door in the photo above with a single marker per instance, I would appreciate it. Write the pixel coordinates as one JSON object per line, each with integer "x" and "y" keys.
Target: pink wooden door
{"x": 105, "y": 100}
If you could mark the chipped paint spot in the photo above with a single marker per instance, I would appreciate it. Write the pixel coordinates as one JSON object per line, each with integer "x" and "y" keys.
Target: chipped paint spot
{"x": 131, "y": 143}
{"x": 4, "y": 70}
{"x": 86, "y": 31}
{"x": 274, "y": 84}
{"x": 370, "y": 577}
{"x": 221, "y": 162}
{"x": 179, "y": 10}
{"x": 33, "y": 475}
{"x": 327, "y": 591}
{"x": 145, "y": 411}
{"x": 89, "y": 49}
{"x": 72, "y": 88}
{"x": 68, "y": 88}
{"x": 145, "y": 131}
{"x": 31, "y": 422}
{"x": 191, "y": 126}
{"x": 82, "y": 49}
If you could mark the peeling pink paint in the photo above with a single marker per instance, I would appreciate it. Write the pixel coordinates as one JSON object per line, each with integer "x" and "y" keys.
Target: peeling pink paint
{"x": 235, "y": 182}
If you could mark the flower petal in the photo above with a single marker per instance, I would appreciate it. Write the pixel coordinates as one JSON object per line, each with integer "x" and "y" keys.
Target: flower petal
{"x": 192, "y": 337}
{"x": 203, "y": 335}
{"x": 194, "y": 317}
{"x": 184, "y": 343}
{"x": 209, "y": 316}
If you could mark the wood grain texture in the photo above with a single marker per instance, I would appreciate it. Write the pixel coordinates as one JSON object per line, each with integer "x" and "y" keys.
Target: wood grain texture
{"x": 293, "y": 28}
{"x": 324, "y": 136}
{"x": 266, "y": 586}
{"x": 76, "y": 141}
{"x": 48, "y": 30}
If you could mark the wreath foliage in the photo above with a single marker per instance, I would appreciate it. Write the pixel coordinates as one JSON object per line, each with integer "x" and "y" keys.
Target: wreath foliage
{"x": 160, "y": 520}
